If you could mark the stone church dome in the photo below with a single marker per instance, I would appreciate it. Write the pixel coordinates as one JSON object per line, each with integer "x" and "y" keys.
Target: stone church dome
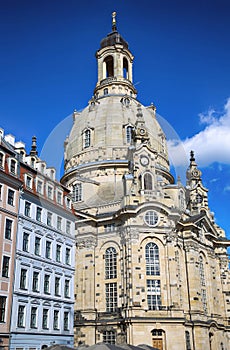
{"x": 114, "y": 119}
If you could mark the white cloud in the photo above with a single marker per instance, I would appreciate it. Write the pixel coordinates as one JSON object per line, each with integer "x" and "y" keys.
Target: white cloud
{"x": 227, "y": 188}
{"x": 210, "y": 145}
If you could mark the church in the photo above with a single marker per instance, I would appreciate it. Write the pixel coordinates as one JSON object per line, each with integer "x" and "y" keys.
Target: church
{"x": 151, "y": 263}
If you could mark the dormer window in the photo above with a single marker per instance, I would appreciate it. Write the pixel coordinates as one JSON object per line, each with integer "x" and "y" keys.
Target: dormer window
{"x": 87, "y": 138}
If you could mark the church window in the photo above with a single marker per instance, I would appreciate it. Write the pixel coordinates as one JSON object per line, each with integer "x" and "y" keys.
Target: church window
{"x": 77, "y": 192}
{"x": 202, "y": 283}
{"x": 110, "y": 263}
{"x": 109, "y": 337}
{"x": 201, "y": 270}
{"x": 151, "y": 218}
{"x": 152, "y": 259}
{"x": 148, "y": 182}
{"x": 111, "y": 296}
{"x": 154, "y": 294}
{"x": 87, "y": 138}
{"x": 181, "y": 199}
{"x": 106, "y": 91}
{"x": 109, "y": 66}
{"x": 187, "y": 340}
{"x": 125, "y": 68}
{"x": 129, "y": 131}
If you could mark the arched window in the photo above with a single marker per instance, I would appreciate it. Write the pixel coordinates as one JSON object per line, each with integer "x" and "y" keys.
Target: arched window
{"x": 201, "y": 271}
{"x": 106, "y": 91}
{"x": 87, "y": 138}
{"x": 129, "y": 131}
{"x": 109, "y": 66}
{"x": 152, "y": 259}
{"x": 125, "y": 68}
{"x": 110, "y": 263}
{"x": 187, "y": 340}
{"x": 77, "y": 192}
{"x": 148, "y": 182}
{"x": 202, "y": 283}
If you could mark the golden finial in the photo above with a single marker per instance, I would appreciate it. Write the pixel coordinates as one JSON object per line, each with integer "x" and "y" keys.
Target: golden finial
{"x": 114, "y": 27}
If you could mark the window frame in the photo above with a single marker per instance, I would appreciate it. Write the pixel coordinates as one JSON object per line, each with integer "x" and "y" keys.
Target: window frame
{"x": 5, "y": 266}
{"x": 10, "y": 197}
{"x": 8, "y": 228}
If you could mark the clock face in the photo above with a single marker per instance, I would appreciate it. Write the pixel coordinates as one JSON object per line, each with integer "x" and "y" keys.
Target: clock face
{"x": 144, "y": 160}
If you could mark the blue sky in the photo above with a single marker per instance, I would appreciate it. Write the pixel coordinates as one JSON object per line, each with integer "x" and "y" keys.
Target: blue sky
{"x": 182, "y": 55}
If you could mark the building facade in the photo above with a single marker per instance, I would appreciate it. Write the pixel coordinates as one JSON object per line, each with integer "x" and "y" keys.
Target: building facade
{"x": 38, "y": 241}
{"x": 10, "y": 185}
{"x": 151, "y": 263}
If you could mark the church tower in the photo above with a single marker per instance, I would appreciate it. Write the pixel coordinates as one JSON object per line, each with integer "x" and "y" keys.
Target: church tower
{"x": 151, "y": 264}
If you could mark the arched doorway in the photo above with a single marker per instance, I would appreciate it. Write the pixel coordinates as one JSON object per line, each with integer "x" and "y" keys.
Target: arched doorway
{"x": 158, "y": 339}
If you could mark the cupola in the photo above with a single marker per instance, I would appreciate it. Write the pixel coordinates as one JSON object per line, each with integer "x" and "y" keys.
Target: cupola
{"x": 115, "y": 64}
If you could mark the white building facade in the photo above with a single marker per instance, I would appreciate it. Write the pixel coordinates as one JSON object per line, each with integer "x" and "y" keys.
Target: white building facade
{"x": 43, "y": 296}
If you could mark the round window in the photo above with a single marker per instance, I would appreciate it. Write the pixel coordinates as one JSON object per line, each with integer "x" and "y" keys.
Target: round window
{"x": 151, "y": 218}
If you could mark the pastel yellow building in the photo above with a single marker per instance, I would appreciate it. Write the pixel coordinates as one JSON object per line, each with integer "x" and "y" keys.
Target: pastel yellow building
{"x": 151, "y": 263}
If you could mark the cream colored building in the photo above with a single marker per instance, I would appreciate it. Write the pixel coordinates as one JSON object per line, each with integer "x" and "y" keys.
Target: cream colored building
{"x": 151, "y": 263}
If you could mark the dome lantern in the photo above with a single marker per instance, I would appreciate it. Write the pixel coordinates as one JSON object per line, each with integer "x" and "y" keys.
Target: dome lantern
{"x": 114, "y": 65}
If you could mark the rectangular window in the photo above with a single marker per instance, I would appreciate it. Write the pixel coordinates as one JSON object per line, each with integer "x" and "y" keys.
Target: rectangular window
{"x": 5, "y": 266}
{"x": 56, "y": 320}
{"x": 2, "y": 308}
{"x": 48, "y": 249}
{"x": 10, "y": 199}
{"x": 59, "y": 198}
{"x": 25, "y": 242}
{"x": 204, "y": 300}
{"x": 47, "y": 284}
{"x": 68, "y": 203}
{"x": 154, "y": 294}
{"x": 8, "y": 228}
{"x": 23, "y": 278}
{"x": 28, "y": 182}
{"x": 57, "y": 286}
{"x": 109, "y": 227}
{"x": 1, "y": 160}
{"x": 39, "y": 214}
{"x": 67, "y": 256}
{"x": 111, "y": 296}
{"x": 33, "y": 317}
{"x": 50, "y": 192}
{"x": 49, "y": 219}
{"x": 66, "y": 321}
{"x": 59, "y": 223}
{"x": 35, "y": 281}
{"x": 58, "y": 253}
{"x": 77, "y": 192}
{"x": 66, "y": 291}
{"x": 45, "y": 316}
{"x": 37, "y": 245}
{"x": 13, "y": 166}
{"x": 68, "y": 225}
{"x": 27, "y": 208}
{"x": 40, "y": 187}
{"x": 21, "y": 315}
{"x": 1, "y": 187}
